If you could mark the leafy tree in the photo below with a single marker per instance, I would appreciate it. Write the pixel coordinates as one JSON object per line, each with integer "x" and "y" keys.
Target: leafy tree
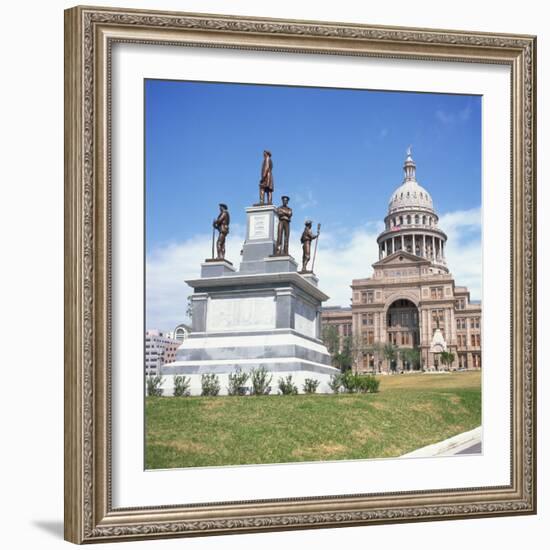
{"x": 331, "y": 339}
{"x": 389, "y": 352}
{"x": 344, "y": 359}
{"x": 376, "y": 350}
{"x": 360, "y": 349}
{"x": 447, "y": 357}
{"x": 411, "y": 356}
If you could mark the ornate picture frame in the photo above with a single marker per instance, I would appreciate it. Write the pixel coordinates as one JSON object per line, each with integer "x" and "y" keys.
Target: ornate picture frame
{"x": 90, "y": 34}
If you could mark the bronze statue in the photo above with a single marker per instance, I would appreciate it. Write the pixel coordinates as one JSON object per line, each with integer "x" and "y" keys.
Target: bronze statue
{"x": 305, "y": 239}
{"x": 221, "y": 223}
{"x": 266, "y": 181}
{"x": 284, "y": 213}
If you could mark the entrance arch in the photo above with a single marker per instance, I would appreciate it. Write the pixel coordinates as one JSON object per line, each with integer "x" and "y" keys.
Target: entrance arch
{"x": 403, "y": 331}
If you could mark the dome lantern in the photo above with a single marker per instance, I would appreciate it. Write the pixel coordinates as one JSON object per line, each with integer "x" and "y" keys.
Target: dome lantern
{"x": 409, "y": 167}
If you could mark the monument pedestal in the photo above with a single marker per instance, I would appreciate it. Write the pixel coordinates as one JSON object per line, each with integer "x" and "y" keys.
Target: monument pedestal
{"x": 264, "y": 315}
{"x": 216, "y": 268}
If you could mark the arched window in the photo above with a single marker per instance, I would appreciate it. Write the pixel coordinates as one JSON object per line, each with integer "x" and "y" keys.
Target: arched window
{"x": 423, "y": 220}
{"x": 416, "y": 219}
{"x": 408, "y": 220}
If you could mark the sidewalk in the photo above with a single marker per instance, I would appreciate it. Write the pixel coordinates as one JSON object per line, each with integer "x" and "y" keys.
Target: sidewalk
{"x": 463, "y": 444}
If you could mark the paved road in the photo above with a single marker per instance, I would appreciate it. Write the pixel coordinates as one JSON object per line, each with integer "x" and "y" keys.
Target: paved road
{"x": 473, "y": 449}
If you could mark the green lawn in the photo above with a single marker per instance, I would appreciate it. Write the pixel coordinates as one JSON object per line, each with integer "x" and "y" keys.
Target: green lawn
{"x": 410, "y": 411}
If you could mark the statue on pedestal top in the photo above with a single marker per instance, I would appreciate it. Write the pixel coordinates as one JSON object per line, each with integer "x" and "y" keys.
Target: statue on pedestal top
{"x": 284, "y": 213}
{"x": 266, "y": 180}
{"x": 305, "y": 239}
{"x": 221, "y": 223}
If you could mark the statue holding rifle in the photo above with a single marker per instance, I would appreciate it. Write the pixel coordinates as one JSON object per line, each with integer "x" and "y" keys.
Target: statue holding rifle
{"x": 306, "y": 238}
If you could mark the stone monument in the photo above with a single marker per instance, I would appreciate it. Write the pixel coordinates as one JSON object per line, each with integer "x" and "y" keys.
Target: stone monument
{"x": 266, "y": 314}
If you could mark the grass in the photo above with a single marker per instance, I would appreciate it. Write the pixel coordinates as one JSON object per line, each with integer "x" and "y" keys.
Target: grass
{"x": 410, "y": 411}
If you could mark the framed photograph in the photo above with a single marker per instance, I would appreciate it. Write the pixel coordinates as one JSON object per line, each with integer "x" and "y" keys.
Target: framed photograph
{"x": 300, "y": 274}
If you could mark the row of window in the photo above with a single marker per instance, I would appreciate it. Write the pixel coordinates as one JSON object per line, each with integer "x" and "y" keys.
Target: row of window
{"x": 436, "y": 292}
{"x": 463, "y": 360}
{"x": 462, "y": 324}
{"x": 367, "y": 297}
{"x": 396, "y": 319}
{"x": 475, "y": 340}
{"x": 401, "y": 339}
{"x": 461, "y": 303}
{"x": 408, "y": 220}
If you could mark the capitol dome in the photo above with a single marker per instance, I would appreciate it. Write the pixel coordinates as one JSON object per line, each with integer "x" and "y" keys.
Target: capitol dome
{"x": 411, "y": 224}
{"x": 410, "y": 194}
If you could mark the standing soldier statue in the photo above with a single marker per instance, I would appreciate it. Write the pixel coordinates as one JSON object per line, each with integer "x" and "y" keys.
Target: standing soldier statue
{"x": 221, "y": 223}
{"x": 266, "y": 180}
{"x": 284, "y": 213}
{"x": 306, "y": 238}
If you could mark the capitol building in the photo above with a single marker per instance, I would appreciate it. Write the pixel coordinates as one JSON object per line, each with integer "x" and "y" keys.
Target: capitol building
{"x": 411, "y": 300}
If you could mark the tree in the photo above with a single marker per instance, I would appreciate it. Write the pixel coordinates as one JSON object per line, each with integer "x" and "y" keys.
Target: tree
{"x": 411, "y": 356}
{"x": 331, "y": 339}
{"x": 447, "y": 357}
{"x": 390, "y": 352}
{"x": 358, "y": 348}
{"x": 344, "y": 358}
{"x": 377, "y": 350}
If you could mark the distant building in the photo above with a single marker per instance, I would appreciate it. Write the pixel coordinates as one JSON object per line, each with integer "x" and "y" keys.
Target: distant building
{"x": 160, "y": 348}
{"x": 411, "y": 300}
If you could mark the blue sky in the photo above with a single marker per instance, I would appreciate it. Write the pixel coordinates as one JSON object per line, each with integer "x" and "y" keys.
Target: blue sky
{"x": 337, "y": 153}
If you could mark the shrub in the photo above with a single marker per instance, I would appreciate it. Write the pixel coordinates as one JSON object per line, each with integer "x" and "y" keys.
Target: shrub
{"x": 182, "y": 386}
{"x": 350, "y": 382}
{"x": 354, "y": 383}
{"x": 335, "y": 382}
{"x": 286, "y": 387}
{"x": 370, "y": 383}
{"x": 237, "y": 381}
{"x": 210, "y": 384}
{"x": 260, "y": 381}
{"x": 310, "y": 385}
{"x": 154, "y": 384}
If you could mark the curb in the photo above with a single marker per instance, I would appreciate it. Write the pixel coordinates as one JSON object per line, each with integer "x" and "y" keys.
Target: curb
{"x": 448, "y": 447}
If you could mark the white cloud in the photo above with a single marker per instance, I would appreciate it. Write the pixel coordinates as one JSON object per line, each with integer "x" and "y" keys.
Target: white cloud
{"x": 169, "y": 266}
{"x": 463, "y": 252}
{"x": 305, "y": 199}
{"x": 448, "y": 118}
{"x": 343, "y": 254}
{"x": 444, "y": 117}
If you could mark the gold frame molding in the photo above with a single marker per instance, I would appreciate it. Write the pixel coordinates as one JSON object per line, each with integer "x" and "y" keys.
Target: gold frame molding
{"x": 89, "y": 35}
